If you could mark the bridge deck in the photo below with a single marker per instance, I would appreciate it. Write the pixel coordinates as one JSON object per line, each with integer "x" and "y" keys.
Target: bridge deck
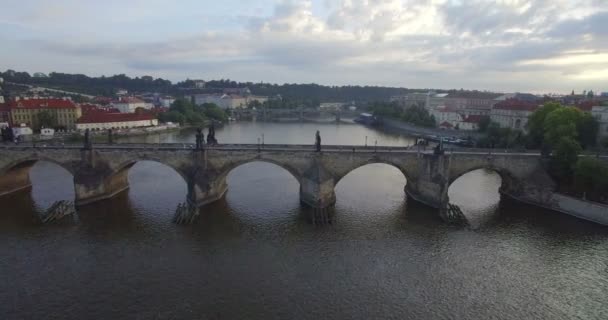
{"x": 283, "y": 147}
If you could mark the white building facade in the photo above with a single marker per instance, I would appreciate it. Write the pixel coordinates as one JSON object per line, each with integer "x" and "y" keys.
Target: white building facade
{"x": 130, "y": 104}
{"x": 227, "y": 101}
{"x": 513, "y": 114}
{"x": 105, "y": 121}
{"x": 601, "y": 114}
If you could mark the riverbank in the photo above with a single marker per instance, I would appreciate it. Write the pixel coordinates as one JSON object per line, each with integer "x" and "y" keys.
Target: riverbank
{"x": 102, "y": 136}
{"x": 576, "y": 207}
{"x": 425, "y": 132}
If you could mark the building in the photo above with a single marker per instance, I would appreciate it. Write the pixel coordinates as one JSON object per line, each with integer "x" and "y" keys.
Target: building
{"x": 1, "y": 93}
{"x": 102, "y": 100}
{"x": 104, "y": 121}
{"x": 166, "y": 102}
{"x": 227, "y": 101}
{"x": 238, "y": 91}
{"x": 410, "y": 99}
{"x": 601, "y": 114}
{"x": 47, "y": 133}
{"x": 474, "y": 100}
{"x": 435, "y": 100}
{"x": 26, "y": 111}
{"x": 331, "y": 105}
{"x": 129, "y": 104}
{"x": 470, "y": 123}
{"x": 519, "y": 96}
{"x": 199, "y": 84}
{"x": 5, "y": 113}
{"x": 450, "y": 118}
{"x": 445, "y": 114}
{"x": 22, "y": 130}
{"x": 513, "y": 113}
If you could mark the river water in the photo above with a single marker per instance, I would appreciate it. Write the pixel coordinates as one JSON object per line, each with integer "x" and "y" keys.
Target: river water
{"x": 253, "y": 256}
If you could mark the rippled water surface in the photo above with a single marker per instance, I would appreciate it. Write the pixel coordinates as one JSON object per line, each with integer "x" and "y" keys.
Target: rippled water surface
{"x": 252, "y": 255}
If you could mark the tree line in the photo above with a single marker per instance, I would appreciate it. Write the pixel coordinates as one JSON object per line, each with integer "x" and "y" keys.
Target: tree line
{"x": 183, "y": 111}
{"x": 562, "y": 133}
{"x": 107, "y": 86}
{"x": 415, "y": 114}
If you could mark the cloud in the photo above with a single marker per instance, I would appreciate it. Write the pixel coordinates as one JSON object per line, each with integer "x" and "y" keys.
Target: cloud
{"x": 501, "y": 45}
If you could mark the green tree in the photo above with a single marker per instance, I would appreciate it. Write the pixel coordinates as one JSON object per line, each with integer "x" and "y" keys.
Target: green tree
{"x": 182, "y": 106}
{"x": 172, "y": 116}
{"x": 195, "y": 118}
{"x": 536, "y": 123}
{"x": 483, "y": 124}
{"x": 212, "y": 111}
{"x": 591, "y": 177}
{"x": 418, "y": 115}
{"x": 46, "y": 120}
{"x": 561, "y": 123}
{"x": 565, "y": 156}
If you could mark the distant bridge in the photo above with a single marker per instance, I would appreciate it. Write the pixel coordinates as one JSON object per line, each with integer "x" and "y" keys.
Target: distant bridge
{"x": 102, "y": 172}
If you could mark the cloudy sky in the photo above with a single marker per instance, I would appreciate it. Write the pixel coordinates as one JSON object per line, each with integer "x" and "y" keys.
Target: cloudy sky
{"x": 505, "y": 45}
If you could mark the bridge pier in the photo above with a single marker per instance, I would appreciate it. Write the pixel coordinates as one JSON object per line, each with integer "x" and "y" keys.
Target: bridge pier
{"x": 317, "y": 188}
{"x": 430, "y": 187}
{"x": 91, "y": 187}
{"x": 204, "y": 189}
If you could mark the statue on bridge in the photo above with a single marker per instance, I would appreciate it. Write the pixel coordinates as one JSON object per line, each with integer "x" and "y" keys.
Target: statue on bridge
{"x": 88, "y": 145}
{"x": 211, "y": 135}
{"x": 200, "y": 139}
{"x": 318, "y": 141}
{"x": 110, "y": 136}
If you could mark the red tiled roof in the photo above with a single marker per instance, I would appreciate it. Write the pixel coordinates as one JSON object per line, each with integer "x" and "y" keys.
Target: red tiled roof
{"x": 473, "y": 118}
{"x": 517, "y": 105}
{"x": 587, "y": 105}
{"x": 446, "y": 124}
{"x": 87, "y": 108}
{"x": 103, "y": 117}
{"x": 42, "y": 104}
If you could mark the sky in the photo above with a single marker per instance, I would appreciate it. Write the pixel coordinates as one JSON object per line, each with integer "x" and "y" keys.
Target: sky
{"x": 540, "y": 46}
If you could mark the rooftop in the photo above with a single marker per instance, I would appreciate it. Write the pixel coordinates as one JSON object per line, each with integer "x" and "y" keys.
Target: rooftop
{"x": 42, "y": 104}
{"x": 516, "y": 105}
{"x": 474, "y": 95}
{"x": 473, "y": 118}
{"x": 104, "y": 117}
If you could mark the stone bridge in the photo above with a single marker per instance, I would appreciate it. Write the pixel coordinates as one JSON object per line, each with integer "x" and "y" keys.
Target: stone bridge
{"x": 102, "y": 172}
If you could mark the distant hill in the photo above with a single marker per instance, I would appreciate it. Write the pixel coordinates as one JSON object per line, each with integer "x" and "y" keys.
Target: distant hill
{"x": 108, "y": 86}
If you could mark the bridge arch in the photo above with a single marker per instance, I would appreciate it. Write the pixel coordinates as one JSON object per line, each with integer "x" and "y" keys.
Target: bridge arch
{"x": 15, "y": 176}
{"x": 123, "y": 167}
{"x": 29, "y": 162}
{"x": 225, "y": 171}
{"x": 508, "y": 178}
{"x": 118, "y": 180}
{"x": 340, "y": 176}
